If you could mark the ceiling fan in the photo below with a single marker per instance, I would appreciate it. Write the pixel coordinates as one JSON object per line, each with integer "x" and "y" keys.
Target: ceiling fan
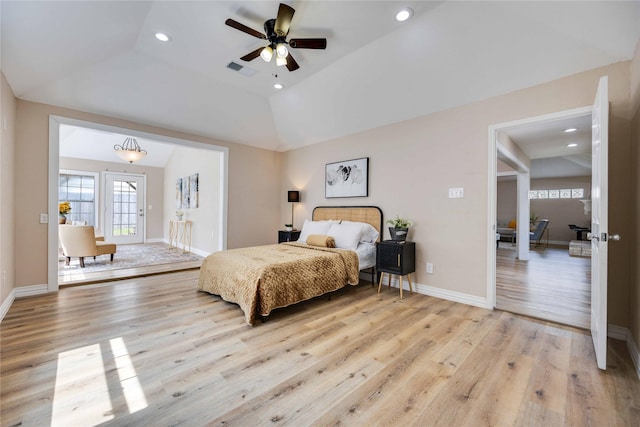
{"x": 276, "y": 34}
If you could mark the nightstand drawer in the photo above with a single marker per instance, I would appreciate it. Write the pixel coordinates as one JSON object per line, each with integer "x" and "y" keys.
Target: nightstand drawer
{"x": 396, "y": 258}
{"x": 288, "y": 236}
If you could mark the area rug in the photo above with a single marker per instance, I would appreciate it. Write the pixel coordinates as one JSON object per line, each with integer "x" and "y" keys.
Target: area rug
{"x": 129, "y": 256}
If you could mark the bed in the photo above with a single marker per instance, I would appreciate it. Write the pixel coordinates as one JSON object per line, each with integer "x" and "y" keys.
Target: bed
{"x": 262, "y": 278}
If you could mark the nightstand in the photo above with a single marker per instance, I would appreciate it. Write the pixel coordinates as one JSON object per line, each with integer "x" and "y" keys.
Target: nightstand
{"x": 396, "y": 258}
{"x": 288, "y": 236}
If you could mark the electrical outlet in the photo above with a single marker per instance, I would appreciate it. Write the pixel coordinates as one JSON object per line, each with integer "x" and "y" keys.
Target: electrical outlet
{"x": 456, "y": 193}
{"x": 429, "y": 268}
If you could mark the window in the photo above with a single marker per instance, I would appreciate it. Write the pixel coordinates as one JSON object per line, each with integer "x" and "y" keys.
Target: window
{"x": 80, "y": 190}
{"x": 564, "y": 193}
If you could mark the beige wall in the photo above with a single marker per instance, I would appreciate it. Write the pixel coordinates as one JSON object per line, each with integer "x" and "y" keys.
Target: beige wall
{"x": 155, "y": 188}
{"x": 206, "y": 217}
{"x": 561, "y": 212}
{"x": 634, "y": 235}
{"x": 413, "y": 163}
{"x": 254, "y": 186}
{"x": 507, "y": 201}
{"x": 7, "y": 173}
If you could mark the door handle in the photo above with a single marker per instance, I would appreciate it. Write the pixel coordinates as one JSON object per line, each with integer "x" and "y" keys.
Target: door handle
{"x": 592, "y": 237}
{"x": 615, "y": 237}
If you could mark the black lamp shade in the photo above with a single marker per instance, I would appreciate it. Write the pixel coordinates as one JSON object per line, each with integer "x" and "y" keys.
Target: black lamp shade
{"x": 293, "y": 196}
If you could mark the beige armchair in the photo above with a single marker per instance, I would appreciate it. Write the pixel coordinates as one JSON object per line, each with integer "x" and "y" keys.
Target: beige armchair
{"x": 80, "y": 241}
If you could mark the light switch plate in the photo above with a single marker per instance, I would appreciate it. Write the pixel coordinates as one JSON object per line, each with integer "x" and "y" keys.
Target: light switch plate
{"x": 456, "y": 193}
{"x": 44, "y": 218}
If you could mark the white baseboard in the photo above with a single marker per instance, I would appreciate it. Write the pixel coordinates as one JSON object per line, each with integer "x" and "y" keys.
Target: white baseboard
{"x": 6, "y": 304}
{"x": 446, "y": 294}
{"x": 623, "y": 334}
{"x": 156, "y": 240}
{"x": 27, "y": 291}
{"x": 200, "y": 252}
{"x": 194, "y": 250}
{"x": 635, "y": 354}
{"x": 617, "y": 332}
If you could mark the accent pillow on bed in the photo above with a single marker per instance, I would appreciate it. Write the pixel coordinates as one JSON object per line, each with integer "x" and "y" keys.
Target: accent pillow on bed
{"x": 347, "y": 235}
{"x": 321, "y": 240}
{"x": 313, "y": 227}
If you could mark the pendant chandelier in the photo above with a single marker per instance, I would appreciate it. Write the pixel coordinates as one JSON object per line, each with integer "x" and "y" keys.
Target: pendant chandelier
{"x": 130, "y": 151}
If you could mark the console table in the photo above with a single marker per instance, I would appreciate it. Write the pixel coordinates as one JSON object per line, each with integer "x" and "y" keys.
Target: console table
{"x": 180, "y": 234}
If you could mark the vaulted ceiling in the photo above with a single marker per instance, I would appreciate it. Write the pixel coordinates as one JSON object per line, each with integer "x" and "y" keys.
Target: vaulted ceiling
{"x": 102, "y": 57}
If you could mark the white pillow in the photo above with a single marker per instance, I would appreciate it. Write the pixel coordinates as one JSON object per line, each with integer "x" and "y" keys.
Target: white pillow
{"x": 346, "y": 235}
{"x": 369, "y": 234}
{"x": 313, "y": 227}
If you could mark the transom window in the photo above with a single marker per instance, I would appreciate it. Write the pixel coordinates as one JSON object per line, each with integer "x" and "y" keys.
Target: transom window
{"x": 563, "y": 193}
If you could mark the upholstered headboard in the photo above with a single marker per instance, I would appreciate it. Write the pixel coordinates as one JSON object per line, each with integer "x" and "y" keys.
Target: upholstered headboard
{"x": 369, "y": 214}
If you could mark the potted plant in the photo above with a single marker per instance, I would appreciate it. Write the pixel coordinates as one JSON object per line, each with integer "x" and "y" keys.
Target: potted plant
{"x": 63, "y": 209}
{"x": 288, "y": 227}
{"x": 533, "y": 219}
{"x": 399, "y": 228}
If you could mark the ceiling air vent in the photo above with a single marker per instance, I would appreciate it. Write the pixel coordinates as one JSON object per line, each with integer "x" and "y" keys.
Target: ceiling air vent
{"x": 234, "y": 66}
{"x": 245, "y": 71}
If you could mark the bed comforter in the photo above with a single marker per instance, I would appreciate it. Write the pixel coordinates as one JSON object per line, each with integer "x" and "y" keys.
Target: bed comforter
{"x": 262, "y": 278}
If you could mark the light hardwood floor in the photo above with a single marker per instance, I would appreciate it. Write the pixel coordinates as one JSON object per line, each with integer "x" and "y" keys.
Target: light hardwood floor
{"x": 155, "y": 351}
{"x": 551, "y": 285}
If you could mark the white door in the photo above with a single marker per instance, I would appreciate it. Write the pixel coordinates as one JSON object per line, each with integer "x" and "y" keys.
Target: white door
{"x": 599, "y": 220}
{"x": 124, "y": 208}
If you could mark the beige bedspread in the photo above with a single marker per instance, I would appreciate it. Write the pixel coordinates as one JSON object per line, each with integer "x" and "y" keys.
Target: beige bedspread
{"x": 262, "y": 278}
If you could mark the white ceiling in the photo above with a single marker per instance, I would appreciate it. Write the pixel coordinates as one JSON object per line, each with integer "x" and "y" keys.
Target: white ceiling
{"x": 547, "y": 145}
{"x": 93, "y": 144}
{"x": 102, "y": 57}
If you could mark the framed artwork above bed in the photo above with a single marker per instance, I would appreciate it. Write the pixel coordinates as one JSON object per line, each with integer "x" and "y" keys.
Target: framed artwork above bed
{"x": 348, "y": 178}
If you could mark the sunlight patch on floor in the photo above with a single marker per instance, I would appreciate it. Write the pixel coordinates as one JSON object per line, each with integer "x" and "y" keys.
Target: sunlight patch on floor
{"x": 133, "y": 393}
{"x": 81, "y": 395}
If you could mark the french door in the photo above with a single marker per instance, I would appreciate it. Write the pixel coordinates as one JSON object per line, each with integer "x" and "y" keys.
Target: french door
{"x": 124, "y": 208}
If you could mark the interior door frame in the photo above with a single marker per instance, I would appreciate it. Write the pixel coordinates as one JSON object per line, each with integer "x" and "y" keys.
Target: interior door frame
{"x": 105, "y": 215}
{"x": 493, "y": 187}
{"x": 54, "y": 167}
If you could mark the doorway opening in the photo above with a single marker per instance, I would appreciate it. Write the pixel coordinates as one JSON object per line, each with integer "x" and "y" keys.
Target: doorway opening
{"x": 539, "y": 174}
{"x": 133, "y": 226}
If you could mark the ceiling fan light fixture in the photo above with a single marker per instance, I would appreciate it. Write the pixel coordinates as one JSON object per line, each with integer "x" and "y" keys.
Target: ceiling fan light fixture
{"x": 267, "y": 54}
{"x": 280, "y": 61}
{"x": 404, "y": 14}
{"x": 281, "y": 50}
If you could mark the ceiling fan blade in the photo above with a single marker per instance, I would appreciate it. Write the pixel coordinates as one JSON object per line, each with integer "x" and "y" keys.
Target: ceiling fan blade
{"x": 252, "y": 55}
{"x": 308, "y": 43}
{"x": 238, "y": 26}
{"x": 283, "y": 21}
{"x": 292, "y": 65}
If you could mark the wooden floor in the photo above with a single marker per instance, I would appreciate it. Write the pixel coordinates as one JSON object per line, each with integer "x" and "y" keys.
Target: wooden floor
{"x": 156, "y": 352}
{"x": 551, "y": 285}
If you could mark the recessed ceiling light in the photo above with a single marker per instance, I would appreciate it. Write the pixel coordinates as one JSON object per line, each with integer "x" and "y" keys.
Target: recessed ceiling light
{"x": 404, "y": 14}
{"x": 570, "y": 130}
{"x": 572, "y": 145}
{"x": 163, "y": 37}
{"x": 278, "y": 86}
